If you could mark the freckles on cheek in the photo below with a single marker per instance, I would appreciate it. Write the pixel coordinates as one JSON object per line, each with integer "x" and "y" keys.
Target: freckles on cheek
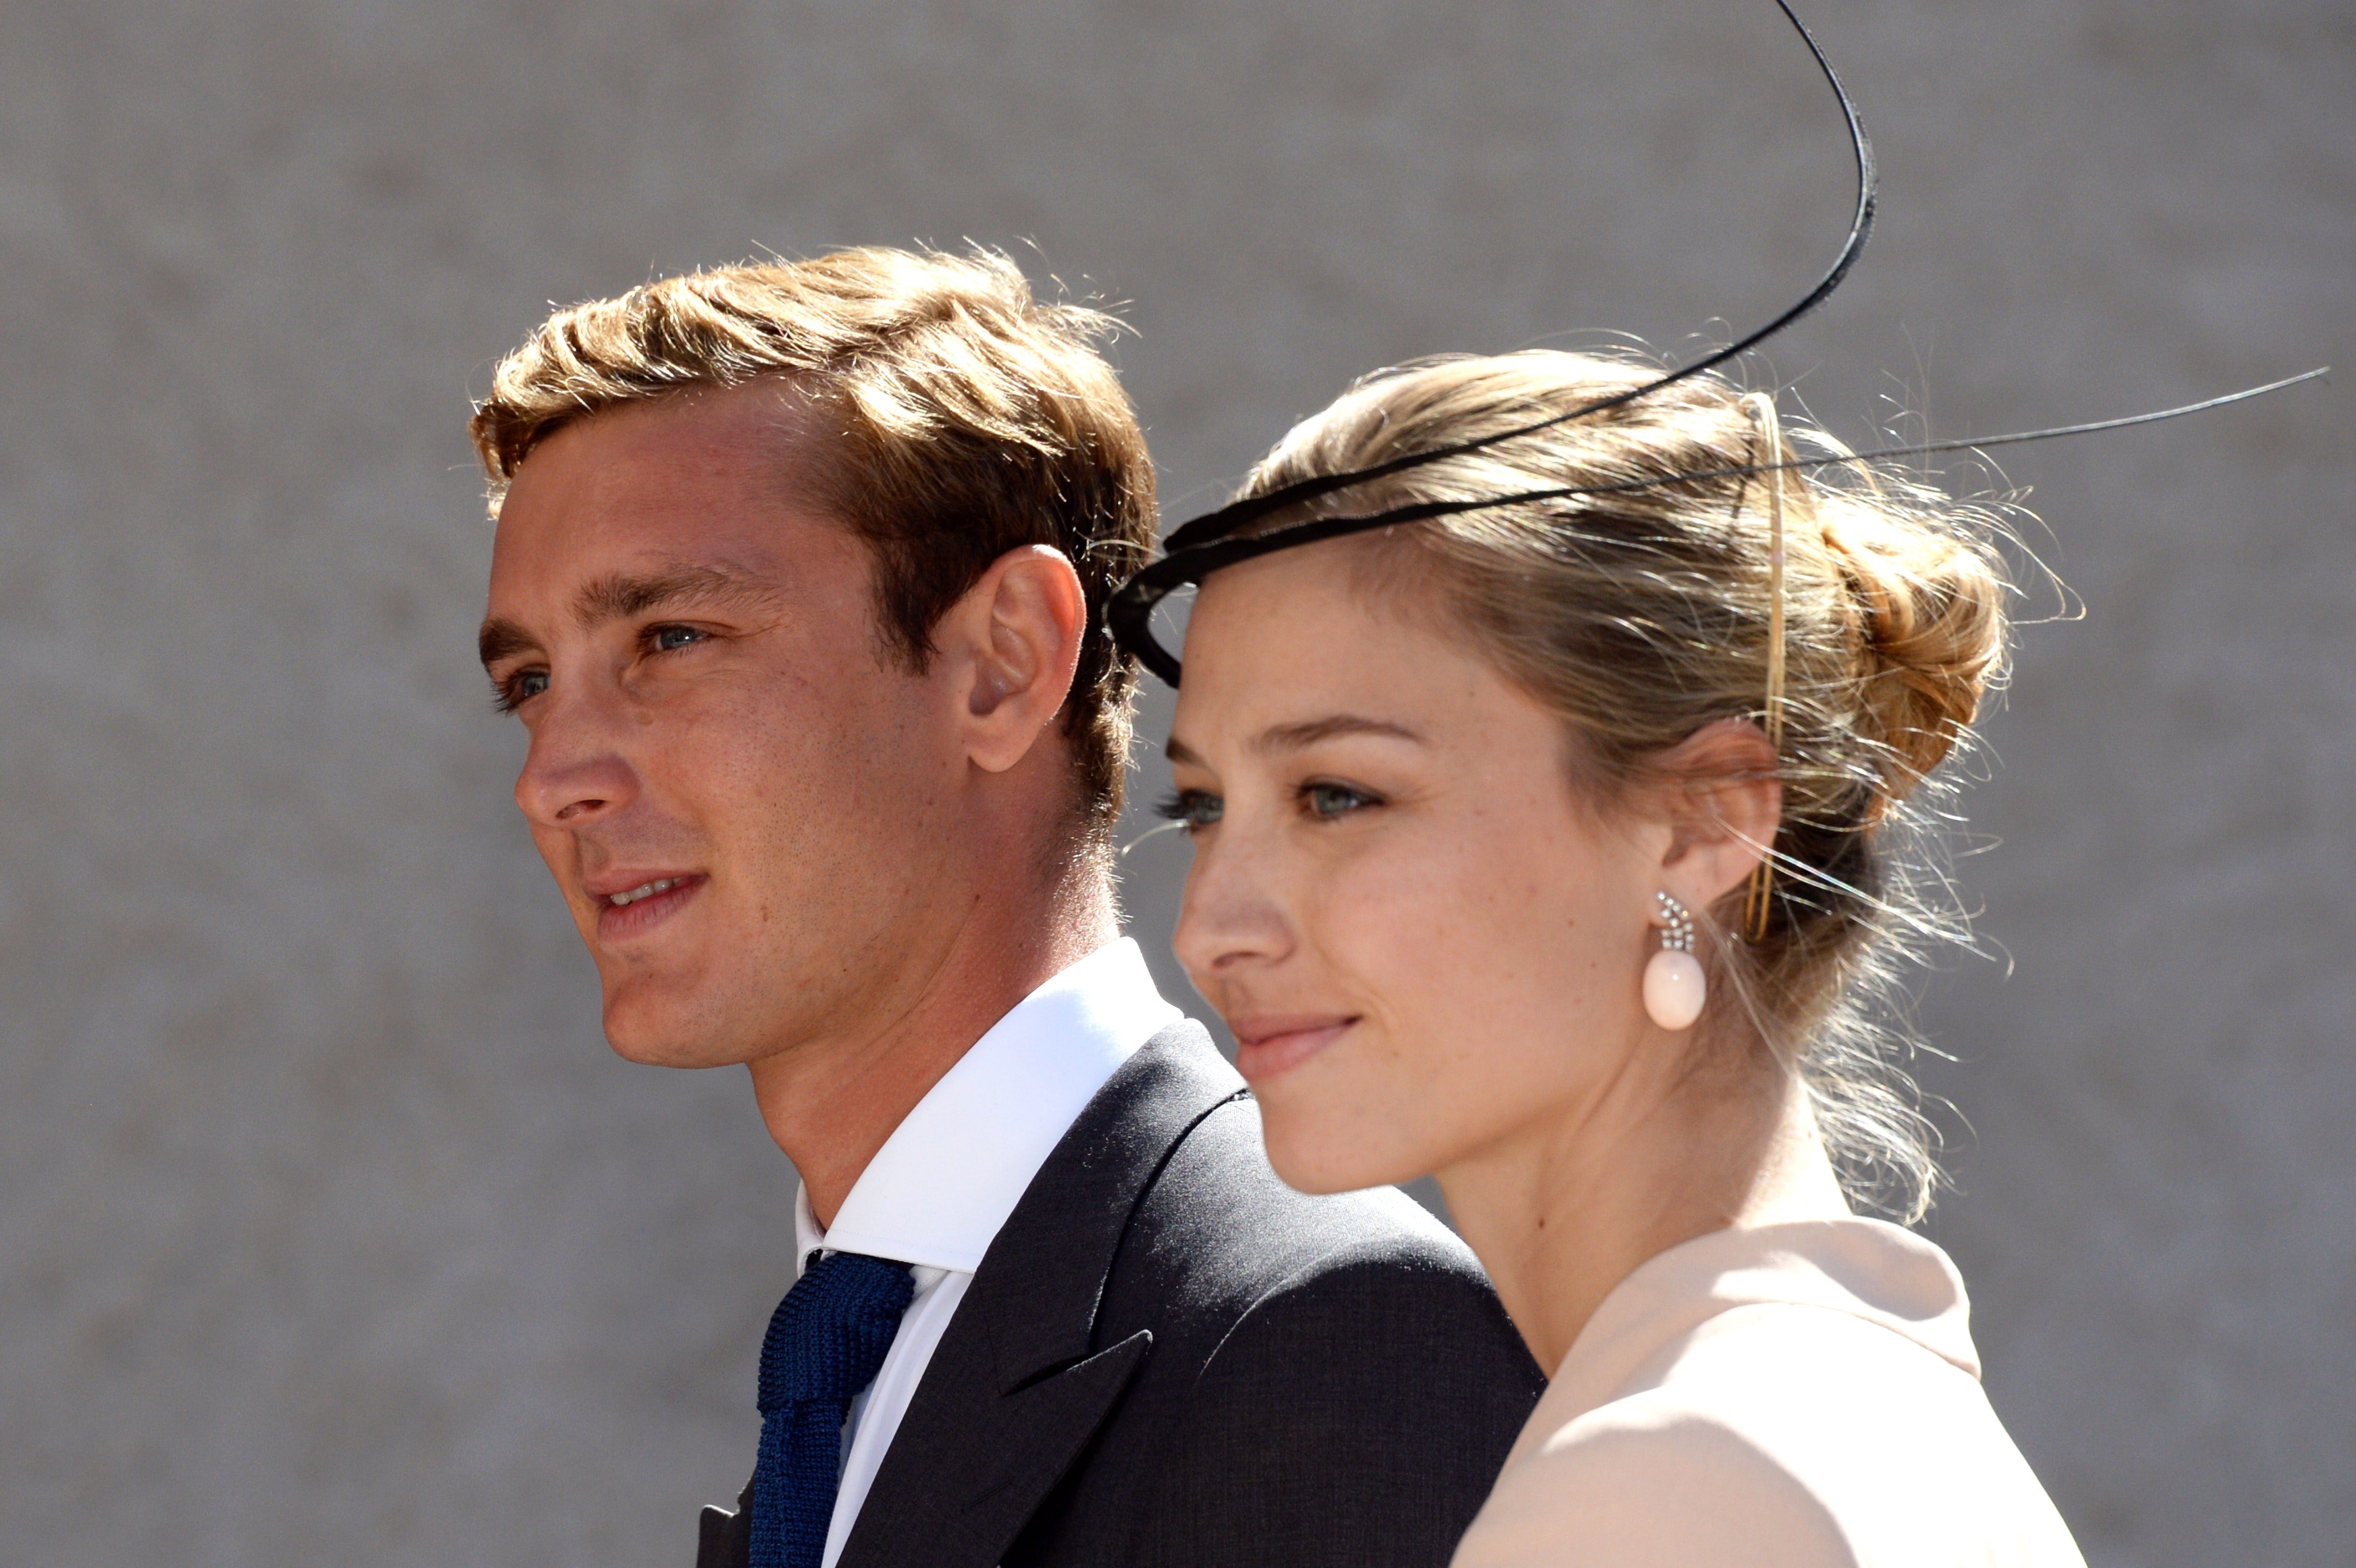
{"x": 1431, "y": 939}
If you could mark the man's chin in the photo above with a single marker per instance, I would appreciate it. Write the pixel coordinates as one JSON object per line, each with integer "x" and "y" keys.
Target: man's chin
{"x": 658, "y": 1032}
{"x": 662, "y": 1052}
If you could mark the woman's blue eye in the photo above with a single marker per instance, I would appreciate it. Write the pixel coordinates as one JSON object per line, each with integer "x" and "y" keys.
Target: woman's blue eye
{"x": 1191, "y": 809}
{"x": 530, "y": 684}
{"x": 1335, "y": 800}
{"x": 667, "y": 639}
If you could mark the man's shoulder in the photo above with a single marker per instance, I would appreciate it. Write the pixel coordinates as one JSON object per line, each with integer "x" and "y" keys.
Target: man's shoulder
{"x": 1262, "y": 1327}
{"x": 1218, "y": 1229}
{"x": 1221, "y": 1168}
{"x": 1216, "y": 1256}
{"x": 1340, "y": 1381}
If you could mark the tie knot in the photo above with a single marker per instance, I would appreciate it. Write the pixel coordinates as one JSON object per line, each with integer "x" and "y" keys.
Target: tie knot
{"x": 831, "y": 1330}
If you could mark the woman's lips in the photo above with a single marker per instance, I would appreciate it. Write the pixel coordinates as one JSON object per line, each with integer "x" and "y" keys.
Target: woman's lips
{"x": 645, "y": 910}
{"x": 1266, "y": 1047}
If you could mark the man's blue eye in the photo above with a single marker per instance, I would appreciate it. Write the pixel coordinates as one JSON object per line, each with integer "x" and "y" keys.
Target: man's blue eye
{"x": 512, "y": 693}
{"x": 670, "y": 638}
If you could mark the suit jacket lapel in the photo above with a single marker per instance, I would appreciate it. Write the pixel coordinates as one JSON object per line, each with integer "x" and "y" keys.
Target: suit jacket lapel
{"x": 1017, "y": 1385}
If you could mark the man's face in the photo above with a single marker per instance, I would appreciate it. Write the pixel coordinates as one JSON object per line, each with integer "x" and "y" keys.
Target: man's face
{"x": 740, "y": 792}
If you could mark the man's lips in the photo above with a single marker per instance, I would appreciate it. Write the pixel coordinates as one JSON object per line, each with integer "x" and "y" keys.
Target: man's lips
{"x": 631, "y": 902}
{"x": 1268, "y": 1044}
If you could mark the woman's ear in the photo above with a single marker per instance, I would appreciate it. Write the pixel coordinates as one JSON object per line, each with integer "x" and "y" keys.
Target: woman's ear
{"x": 1012, "y": 644}
{"x": 1724, "y": 803}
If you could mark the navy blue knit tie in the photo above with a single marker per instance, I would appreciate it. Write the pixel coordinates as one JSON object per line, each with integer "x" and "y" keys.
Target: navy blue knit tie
{"x": 825, "y": 1344}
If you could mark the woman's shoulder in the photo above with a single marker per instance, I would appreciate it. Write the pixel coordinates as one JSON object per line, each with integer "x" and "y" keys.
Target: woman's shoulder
{"x": 1806, "y": 1394}
{"x": 1655, "y": 1478}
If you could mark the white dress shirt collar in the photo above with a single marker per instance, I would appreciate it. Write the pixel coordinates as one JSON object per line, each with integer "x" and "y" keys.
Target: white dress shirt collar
{"x": 936, "y": 1192}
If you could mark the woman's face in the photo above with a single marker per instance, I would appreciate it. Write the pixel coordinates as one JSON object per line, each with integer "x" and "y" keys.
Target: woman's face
{"x": 1425, "y": 943}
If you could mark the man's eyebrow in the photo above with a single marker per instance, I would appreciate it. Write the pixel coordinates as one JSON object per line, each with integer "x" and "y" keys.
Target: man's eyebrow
{"x": 502, "y": 640}
{"x": 1295, "y": 737}
{"x": 621, "y": 595}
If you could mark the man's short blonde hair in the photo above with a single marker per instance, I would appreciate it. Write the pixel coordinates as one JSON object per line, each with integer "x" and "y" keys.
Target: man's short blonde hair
{"x": 971, "y": 419}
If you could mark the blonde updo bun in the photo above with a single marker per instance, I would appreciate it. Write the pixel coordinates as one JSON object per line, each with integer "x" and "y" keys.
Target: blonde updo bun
{"x": 1930, "y": 634}
{"x": 1642, "y": 615}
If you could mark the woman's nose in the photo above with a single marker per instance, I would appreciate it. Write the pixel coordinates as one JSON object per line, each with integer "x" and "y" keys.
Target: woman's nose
{"x": 1230, "y": 916}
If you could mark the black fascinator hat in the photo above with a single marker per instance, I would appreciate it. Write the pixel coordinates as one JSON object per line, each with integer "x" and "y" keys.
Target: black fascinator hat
{"x": 1227, "y": 537}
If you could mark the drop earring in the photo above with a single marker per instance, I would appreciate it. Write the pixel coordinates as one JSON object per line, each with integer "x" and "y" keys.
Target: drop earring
{"x": 1675, "y": 986}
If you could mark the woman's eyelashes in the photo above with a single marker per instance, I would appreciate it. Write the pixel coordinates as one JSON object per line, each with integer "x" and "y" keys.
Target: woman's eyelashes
{"x": 1319, "y": 800}
{"x": 1191, "y": 809}
{"x": 1326, "y": 800}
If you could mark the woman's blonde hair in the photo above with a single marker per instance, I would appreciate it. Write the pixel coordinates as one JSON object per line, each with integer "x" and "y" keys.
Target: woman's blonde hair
{"x": 1642, "y": 616}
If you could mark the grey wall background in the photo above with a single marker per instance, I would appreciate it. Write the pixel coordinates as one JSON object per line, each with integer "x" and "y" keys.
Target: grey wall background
{"x": 328, "y": 1227}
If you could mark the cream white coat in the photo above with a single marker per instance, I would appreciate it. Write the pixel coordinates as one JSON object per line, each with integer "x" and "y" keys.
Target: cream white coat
{"x": 1793, "y": 1396}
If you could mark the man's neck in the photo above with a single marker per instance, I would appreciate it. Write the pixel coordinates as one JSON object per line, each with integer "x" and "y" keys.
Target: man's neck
{"x": 831, "y": 1104}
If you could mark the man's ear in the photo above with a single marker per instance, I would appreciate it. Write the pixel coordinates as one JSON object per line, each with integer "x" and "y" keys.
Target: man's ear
{"x": 1010, "y": 646}
{"x": 1723, "y": 805}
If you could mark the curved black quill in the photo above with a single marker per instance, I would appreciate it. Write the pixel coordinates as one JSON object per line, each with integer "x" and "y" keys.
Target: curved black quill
{"x": 1238, "y": 514}
{"x": 1129, "y": 613}
{"x": 1211, "y": 543}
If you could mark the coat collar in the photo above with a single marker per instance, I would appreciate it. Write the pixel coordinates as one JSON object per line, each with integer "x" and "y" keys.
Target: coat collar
{"x": 1018, "y": 1384}
{"x": 945, "y": 1182}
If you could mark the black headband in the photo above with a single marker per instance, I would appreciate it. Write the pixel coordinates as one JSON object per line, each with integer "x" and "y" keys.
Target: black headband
{"x": 1211, "y": 543}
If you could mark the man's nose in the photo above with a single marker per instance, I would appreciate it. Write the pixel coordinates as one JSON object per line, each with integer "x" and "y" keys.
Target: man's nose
{"x": 1230, "y": 916}
{"x": 577, "y": 771}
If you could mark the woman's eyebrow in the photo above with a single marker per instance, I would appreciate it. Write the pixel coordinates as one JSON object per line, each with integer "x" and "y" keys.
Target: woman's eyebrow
{"x": 1294, "y": 737}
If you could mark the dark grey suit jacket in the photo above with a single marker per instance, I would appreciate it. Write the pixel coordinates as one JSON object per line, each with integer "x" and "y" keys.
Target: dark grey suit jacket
{"x": 1168, "y": 1358}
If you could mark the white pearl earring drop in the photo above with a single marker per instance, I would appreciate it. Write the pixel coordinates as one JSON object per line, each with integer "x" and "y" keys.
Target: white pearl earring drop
{"x": 1674, "y": 987}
